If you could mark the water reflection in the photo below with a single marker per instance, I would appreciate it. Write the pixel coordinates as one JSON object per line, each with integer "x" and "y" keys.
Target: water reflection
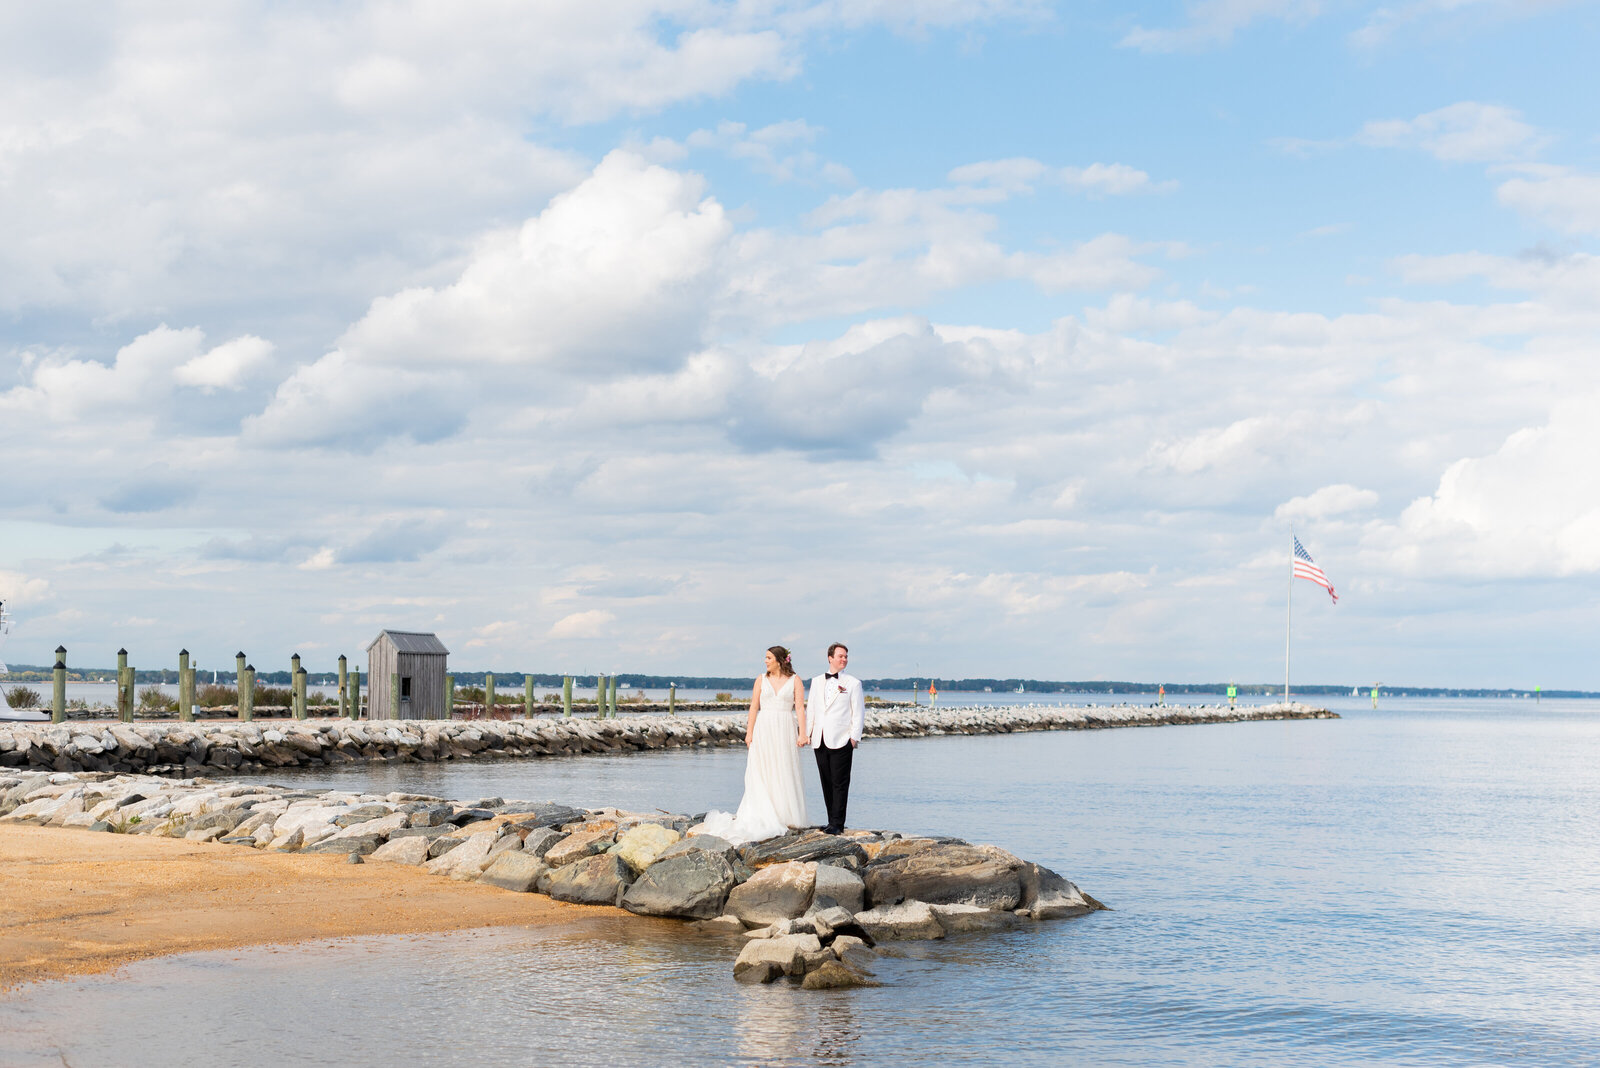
{"x": 781, "y": 1026}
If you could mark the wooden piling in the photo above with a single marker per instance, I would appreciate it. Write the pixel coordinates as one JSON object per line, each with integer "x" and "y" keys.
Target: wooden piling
{"x": 247, "y": 694}
{"x": 527, "y": 697}
{"x": 58, "y": 696}
{"x": 344, "y": 684}
{"x": 124, "y": 706}
{"x": 566, "y": 695}
{"x": 599, "y": 697}
{"x": 613, "y": 713}
{"x": 355, "y": 693}
{"x": 238, "y": 670}
{"x": 488, "y": 696}
{"x": 672, "y": 700}
{"x": 300, "y": 693}
{"x": 394, "y": 695}
{"x": 449, "y": 697}
{"x": 185, "y": 688}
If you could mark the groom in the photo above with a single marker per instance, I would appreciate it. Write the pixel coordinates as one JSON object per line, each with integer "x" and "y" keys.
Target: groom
{"x": 837, "y": 713}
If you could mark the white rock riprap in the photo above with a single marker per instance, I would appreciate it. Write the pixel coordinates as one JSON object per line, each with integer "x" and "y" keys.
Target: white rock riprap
{"x": 806, "y": 904}
{"x": 212, "y": 746}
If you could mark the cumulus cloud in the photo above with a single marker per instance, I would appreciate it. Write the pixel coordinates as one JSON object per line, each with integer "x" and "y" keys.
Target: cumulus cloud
{"x": 1463, "y": 132}
{"x": 592, "y": 623}
{"x": 1565, "y": 198}
{"x": 1022, "y": 175}
{"x": 1328, "y": 501}
{"x": 1526, "y": 509}
{"x": 1214, "y": 22}
{"x": 145, "y": 374}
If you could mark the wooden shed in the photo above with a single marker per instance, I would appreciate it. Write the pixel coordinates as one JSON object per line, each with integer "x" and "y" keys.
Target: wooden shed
{"x": 406, "y": 672}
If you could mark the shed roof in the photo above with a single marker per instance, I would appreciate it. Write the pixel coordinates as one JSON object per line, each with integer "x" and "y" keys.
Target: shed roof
{"x": 411, "y": 641}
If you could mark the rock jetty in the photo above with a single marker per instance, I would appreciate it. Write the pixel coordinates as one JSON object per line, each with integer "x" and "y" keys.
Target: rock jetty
{"x": 809, "y": 906}
{"x": 212, "y": 747}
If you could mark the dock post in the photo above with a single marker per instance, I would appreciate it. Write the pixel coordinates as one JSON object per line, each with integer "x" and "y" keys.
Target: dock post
{"x": 449, "y": 697}
{"x": 488, "y": 695}
{"x": 613, "y": 697}
{"x": 527, "y": 697}
{"x": 355, "y": 693}
{"x": 124, "y": 704}
{"x": 247, "y": 694}
{"x": 672, "y": 700}
{"x": 58, "y": 696}
{"x": 566, "y": 695}
{"x": 394, "y": 695}
{"x": 599, "y": 697}
{"x": 238, "y": 665}
{"x": 344, "y": 688}
{"x": 185, "y": 688}
{"x": 300, "y": 693}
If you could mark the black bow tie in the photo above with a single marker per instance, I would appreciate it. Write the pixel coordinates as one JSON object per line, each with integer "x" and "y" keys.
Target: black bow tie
{"x": 831, "y": 675}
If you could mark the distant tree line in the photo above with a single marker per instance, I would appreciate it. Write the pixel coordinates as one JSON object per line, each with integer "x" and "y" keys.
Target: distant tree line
{"x": 507, "y": 679}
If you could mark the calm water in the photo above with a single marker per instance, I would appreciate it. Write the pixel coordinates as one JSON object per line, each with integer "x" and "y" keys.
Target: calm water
{"x": 1415, "y": 886}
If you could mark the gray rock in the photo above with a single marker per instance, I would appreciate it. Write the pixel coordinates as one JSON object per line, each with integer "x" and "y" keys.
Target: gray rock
{"x": 824, "y": 921}
{"x": 694, "y": 884}
{"x": 599, "y": 880}
{"x": 985, "y": 876}
{"x": 724, "y": 924}
{"x": 780, "y": 892}
{"x": 805, "y": 846}
{"x": 1048, "y": 896}
{"x": 353, "y": 858}
{"x": 423, "y": 814}
{"x": 961, "y": 919}
{"x": 786, "y": 952}
{"x": 360, "y": 843}
{"x": 438, "y": 847}
{"x": 835, "y": 975}
{"x": 411, "y": 850}
{"x": 471, "y": 815}
{"x": 709, "y": 843}
{"x": 550, "y": 815}
{"x": 539, "y": 841}
{"x": 844, "y": 888}
{"x": 99, "y": 825}
{"x": 514, "y": 871}
{"x": 361, "y": 814}
{"x": 907, "y": 921}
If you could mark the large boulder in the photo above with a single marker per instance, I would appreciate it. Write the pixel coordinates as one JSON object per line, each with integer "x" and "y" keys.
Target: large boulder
{"x": 641, "y": 845}
{"x": 1048, "y": 896}
{"x": 599, "y": 880}
{"x": 764, "y": 959}
{"x": 693, "y": 884}
{"x": 780, "y": 892}
{"x": 539, "y": 840}
{"x": 840, "y": 887}
{"x": 805, "y": 846}
{"x": 960, "y": 919}
{"x": 952, "y": 874}
{"x": 703, "y": 842}
{"x": 905, "y": 922}
{"x": 835, "y": 975}
{"x": 577, "y": 846}
{"x": 468, "y": 859}
{"x": 513, "y": 871}
{"x": 411, "y": 850}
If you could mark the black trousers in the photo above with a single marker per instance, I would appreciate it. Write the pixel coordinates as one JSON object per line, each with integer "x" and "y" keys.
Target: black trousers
{"x": 834, "y": 767}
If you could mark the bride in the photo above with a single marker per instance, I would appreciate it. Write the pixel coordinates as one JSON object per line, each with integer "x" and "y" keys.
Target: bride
{"x": 774, "y": 800}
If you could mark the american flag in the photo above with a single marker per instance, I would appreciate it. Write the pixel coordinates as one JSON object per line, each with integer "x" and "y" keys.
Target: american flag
{"x": 1306, "y": 569}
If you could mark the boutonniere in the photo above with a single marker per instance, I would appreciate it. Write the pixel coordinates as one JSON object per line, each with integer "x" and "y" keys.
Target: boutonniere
{"x": 838, "y": 687}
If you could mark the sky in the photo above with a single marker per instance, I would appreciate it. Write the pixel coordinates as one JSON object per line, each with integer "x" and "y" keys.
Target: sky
{"x": 990, "y": 337}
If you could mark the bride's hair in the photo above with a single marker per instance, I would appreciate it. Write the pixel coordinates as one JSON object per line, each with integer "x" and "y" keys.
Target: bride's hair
{"x": 781, "y": 655}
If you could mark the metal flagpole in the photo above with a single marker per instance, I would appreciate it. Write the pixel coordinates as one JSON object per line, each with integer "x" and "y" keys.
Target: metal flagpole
{"x": 1288, "y": 604}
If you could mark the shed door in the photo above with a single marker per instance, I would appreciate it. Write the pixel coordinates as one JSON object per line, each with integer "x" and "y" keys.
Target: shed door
{"x": 405, "y": 689}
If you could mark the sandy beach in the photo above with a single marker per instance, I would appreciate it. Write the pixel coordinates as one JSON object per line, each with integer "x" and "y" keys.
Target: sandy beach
{"x": 75, "y": 903}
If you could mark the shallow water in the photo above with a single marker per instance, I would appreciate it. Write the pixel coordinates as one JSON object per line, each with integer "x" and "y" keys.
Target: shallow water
{"x": 1415, "y": 886}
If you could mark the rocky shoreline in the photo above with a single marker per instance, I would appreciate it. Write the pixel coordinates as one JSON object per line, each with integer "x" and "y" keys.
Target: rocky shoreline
{"x": 228, "y": 747}
{"x": 810, "y": 906}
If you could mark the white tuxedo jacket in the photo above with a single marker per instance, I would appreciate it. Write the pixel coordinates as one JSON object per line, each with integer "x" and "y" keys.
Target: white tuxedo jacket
{"x": 836, "y": 711}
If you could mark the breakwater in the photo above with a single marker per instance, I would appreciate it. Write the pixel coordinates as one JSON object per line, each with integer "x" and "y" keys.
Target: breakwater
{"x": 808, "y": 905}
{"x": 213, "y": 746}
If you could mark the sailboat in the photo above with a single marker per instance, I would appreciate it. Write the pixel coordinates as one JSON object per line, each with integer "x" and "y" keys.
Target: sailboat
{"x": 5, "y": 628}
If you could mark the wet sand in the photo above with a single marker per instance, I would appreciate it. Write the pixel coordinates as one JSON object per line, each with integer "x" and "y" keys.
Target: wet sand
{"x": 75, "y": 903}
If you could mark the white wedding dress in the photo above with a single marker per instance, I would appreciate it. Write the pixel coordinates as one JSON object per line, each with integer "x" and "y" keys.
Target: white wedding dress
{"x": 774, "y": 800}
